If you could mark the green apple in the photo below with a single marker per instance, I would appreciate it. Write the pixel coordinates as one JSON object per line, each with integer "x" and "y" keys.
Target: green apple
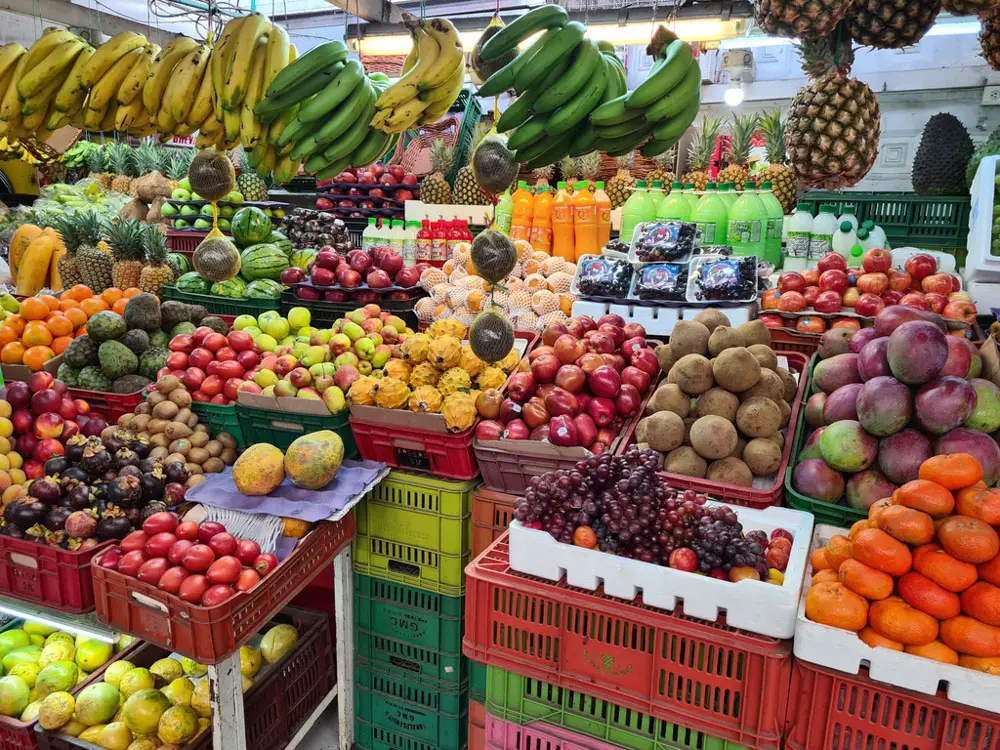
{"x": 235, "y": 196}
{"x": 169, "y": 209}
{"x": 267, "y": 343}
{"x": 279, "y": 213}
{"x": 195, "y": 196}
{"x": 313, "y": 355}
{"x": 321, "y": 336}
{"x": 375, "y": 337}
{"x": 254, "y": 331}
{"x": 353, "y": 331}
{"x": 288, "y": 341}
{"x": 244, "y": 321}
{"x": 299, "y": 348}
{"x": 181, "y": 224}
{"x": 382, "y": 354}
{"x": 208, "y": 210}
{"x": 334, "y": 399}
{"x": 357, "y": 316}
{"x": 203, "y": 224}
{"x": 225, "y": 224}
{"x": 397, "y": 323}
{"x": 364, "y": 348}
{"x": 339, "y": 343}
{"x": 180, "y": 194}
{"x": 299, "y": 317}
{"x": 269, "y": 392}
{"x": 347, "y": 358}
{"x": 227, "y": 211}
{"x": 285, "y": 388}
{"x": 322, "y": 368}
{"x": 266, "y": 316}
{"x": 264, "y": 378}
{"x": 9, "y": 303}
{"x": 184, "y": 184}
{"x": 304, "y": 333}
{"x": 365, "y": 367}
{"x": 188, "y": 210}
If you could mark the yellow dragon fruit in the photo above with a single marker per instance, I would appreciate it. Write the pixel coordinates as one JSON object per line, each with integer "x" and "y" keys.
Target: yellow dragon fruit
{"x": 491, "y": 377}
{"x": 456, "y": 379}
{"x": 392, "y": 393}
{"x": 424, "y": 374}
{"x": 447, "y": 327}
{"x": 415, "y": 348}
{"x": 470, "y": 362}
{"x": 459, "y": 412}
{"x": 445, "y": 352}
{"x": 426, "y": 399}
{"x": 362, "y": 391}
{"x": 397, "y": 368}
{"x": 508, "y": 363}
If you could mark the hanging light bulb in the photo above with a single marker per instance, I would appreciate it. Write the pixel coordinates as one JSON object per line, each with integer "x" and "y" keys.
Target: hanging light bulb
{"x": 734, "y": 94}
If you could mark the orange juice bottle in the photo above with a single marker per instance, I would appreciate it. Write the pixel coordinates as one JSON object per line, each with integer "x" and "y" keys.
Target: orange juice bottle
{"x": 541, "y": 220}
{"x": 562, "y": 225}
{"x": 584, "y": 221}
{"x": 603, "y": 215}
{"x": 520, "y": 228}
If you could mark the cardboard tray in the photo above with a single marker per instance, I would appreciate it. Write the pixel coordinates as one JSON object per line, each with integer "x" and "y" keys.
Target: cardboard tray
{"x": 21, "y": 372}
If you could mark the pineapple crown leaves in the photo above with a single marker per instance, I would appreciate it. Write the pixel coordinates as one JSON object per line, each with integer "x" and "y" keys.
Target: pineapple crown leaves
{"x": 832, "y": 52}
{"x": 88, "y": 228}
{"x": 741, "y": 137}
{"x": 180, "y": 161}
{"x": 590, "y": 165}
{"x": 66, "y": 228}
{"x": 627, "y": 161}
{"x": 146, "y": 157}
{"x": 568, "y": 166}
{"x": 155, "y": 242}
{"x": 442, "y": 156}
{"x": 125, "y": 237}
{"x": 95, "y": 160}
{"x": 703, "y": 145}
{"x": 774, "y": 136}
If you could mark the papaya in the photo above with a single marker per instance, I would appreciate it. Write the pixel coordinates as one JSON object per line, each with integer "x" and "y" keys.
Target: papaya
{"x": 34, "y": 267}
{"x": 313, "y": 460}
{"x": 259, "y": 470}
{"x": 23, "y": 237}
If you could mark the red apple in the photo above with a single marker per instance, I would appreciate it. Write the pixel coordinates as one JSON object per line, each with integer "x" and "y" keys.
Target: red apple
{"x": 811, "y": 275}
{"x": 40, "y": 381}
{"x": 960, "y": 310}
{"x": 834, "y": 280}
{"x": 920, "y": 265}
{"x": 792, "y": 301}
{"x": 899, "y": 281}
{"x": 936, "y": 302}
{"x": 877, "y": 260}
{"x": 831, "y": 261}
{"x": 869, "y": 305}
{"x": 915, "y": 299}
{"x": 827, "y": 302}
{"x": 849, "y": 297}
{"x": 891, "y": 297}
{"x": 937, "y": 282}
{"x": 872, "y": 283}
{"x": 811, "y": 293}
{"x": 791, "y": 281}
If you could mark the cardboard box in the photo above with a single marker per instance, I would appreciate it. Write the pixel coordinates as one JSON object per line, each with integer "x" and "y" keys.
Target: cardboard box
{"x": 287, "y": 404}
{"x": 20, "y": 372}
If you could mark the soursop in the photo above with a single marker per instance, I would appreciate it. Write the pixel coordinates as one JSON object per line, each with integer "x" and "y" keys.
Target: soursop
{"x": 940, "y": 162}
{"x": 92, "y": 379}
{"x": 68, "y": 374}
{"x": 152, "y": 361}
{"x": 81, "y": 352}
{"x": 159, "y": 339}
{"x": 137, "y": 340}
{"x": 105, "y": 326}
{"x": 142, "y": 311}
{"x": 117, "y": 359}
{"x": 130, "y": 384}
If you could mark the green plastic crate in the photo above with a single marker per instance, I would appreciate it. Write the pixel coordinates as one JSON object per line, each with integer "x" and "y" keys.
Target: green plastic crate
{"x": 906, "y": 218}
{"x": 412, "y": 566}
{"x": 477, "y": 681}
{"x": 420, "y": 510}
{"x": 409, "y": 632}
{"x": 824, "y": 512}
{"x": 523, "y": 700}
{"x": 281, "y": 428}
{"x": 392, "y": 714}
{"x": 220, "y": 418}
{"x": 221, "y": 305}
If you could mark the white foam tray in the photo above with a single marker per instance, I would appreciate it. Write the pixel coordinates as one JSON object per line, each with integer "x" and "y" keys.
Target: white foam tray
{"x": 842, "y": 650}
{"x": 754, "y": 606}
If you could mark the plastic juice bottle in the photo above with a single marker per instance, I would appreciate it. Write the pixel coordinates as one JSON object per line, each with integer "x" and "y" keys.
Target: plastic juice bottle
{"x": 395, "y": 238}
{"x": 541, "y": 221}
{"x": 370, "y": 231}
{"x": 656, "y": 194}
{"x": 848, "y": 215}
{"x": 410, "y": 243}
{"x": 728, "y": 193}
{"x": 844, "y": 238}
{"x": 563, "y": 239}
{"x": 439, "y": 252}
{"x": 504, "y": 212}
{"x": 821, "y": 238}
{"x": 712, "y": 217}
{"x": 455, "y": 236}
{"x": 775, "y": 224}
{"x": 747, "y": 230}
{"x": 635, "y": 211}
{"x": 520, "y": 228}
{"x": 603, "y": 215}
{"x": 799, "y": 238}
{"x": 876, "y": 235}
{"x": 466, "y": 232}
{"x": 584, "y": 221}
{"x": 691, "y": 196}
{"x": 425, "y": 242}
{"x": 674, "y": 207}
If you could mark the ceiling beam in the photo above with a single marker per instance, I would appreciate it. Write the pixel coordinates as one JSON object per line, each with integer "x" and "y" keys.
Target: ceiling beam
{"x": 79, "y": 17}
{"x": 373, "y": 11}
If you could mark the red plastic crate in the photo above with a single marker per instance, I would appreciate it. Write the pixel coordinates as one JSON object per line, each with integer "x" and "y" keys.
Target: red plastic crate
{"x": 477, "y": 726}
{"x": 210, "y": 634}
{"x": 705, "y": 676}
{"x": 749, "y": 497}
{"x": 108, "y": 405}
{"x": 53, "y": 576}
{"x": 491, "y": 514}
{"x": 832, "y": 710}
{"x": 788, "y": 340}
{"x": 184, "y": 242}
{"x": 439, "y": 454}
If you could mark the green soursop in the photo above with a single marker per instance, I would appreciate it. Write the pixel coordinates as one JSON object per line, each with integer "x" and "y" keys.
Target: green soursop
{"x": 68, "y": 374}
{"x": 173, "y": 312}
{"x": 81, "y": 352}
{"x": 137, "y": 340}
{"x": 92, "y": 379}
{"x": 105, "y": 326}
{"x": 130, "y": 384}
{"x": 186, "y": 329}
{"x": 944, "y": 153}
{"x": 143, "y": 311}
{"x": 117, "y": 359}
{"x": 159, "y": 339}
{"x": 216, "y": 324}
{"x": 152, "y": 361}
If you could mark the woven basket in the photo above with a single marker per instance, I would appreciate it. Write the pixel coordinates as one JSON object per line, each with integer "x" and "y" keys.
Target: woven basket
{"x": 415, "y": 156}
{"x": 391, "y": 65}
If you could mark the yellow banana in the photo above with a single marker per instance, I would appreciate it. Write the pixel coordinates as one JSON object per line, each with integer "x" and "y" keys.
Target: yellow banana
{"x": 285, "y": 169}
{"x": 40, "y": 101}
{"x": 135, "y": 80}
{"x": 407, "y": 87}
{"x": 164, "y": 122}
{"x": 141, "y": 120}
{"x": 51, "y": 38}
{"x": 293, "y": 53}
{"x": 109, "y": 53}
{"x": 204, "y": 98}
{"x": 205, "y": 140}
{"x": 54, "y": 64}
{"x": 108, "y": 123}
{"x": 277, "y": 54}
{"x": 411, "y": 60}
{"x": 405, "y": 116}
{"x": 5, "y": 81}
{"x": 106, "y": 88}
{"x": 69, "y": 98}
{"x": 250, "y": 127}
{"x": 9, "y": 55}
{"x": 450, "y": 44}
{"x": 184, "y": 81}
{"x": 182, "y": 130}
{"x": 239, "y": 67}
{"x": 231, "y": 124}
{"x": 278, "y": 126}
{"x": 163, "y": 66}
{"x": 449, "y": 90}
{"x": 267, "y": 161}
{"x": 55, "y": 119}
{"x": 92, "y": 118}
{"x": 210, "y": 125}
{"x": 127, "y": 114}
{"x": 221, "y": 54}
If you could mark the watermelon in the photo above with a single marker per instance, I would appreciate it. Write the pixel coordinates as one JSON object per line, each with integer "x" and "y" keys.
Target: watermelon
{"x": 249, "y": 226}
{"x": 182, "y": 262}
{"x": 263, "y": 289}
{"x": 193, "y": 283}
{"x": 234, "y": 288}
{"x": 302, "y": 258}
{"x": 281, "y": 242}
{"x": 264, "y": 261}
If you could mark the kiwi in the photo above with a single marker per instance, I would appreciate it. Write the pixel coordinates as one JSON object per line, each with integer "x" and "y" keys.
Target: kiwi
{"x": 758, "y": 417}
{"x": 777, "y": 438}
{"x": 199, "y": 438}
{"x": 159, "y": 452}
{"x": 159, "y": 440}
{"x": 193, "y": 468}
{"x": 738, "y": 450}
{"x": 736, "y": 370}
{"x": 717, "y": 401}
{"x": 765, "y": 355}
{"x": 194, "y": 480}
{"x": 213, "y": 465}
{"x": 664, "y": 431}
{"x": 693, "y": 373}
{"x": 226, "y": 439}
{"x": 181, "y": 446}
{"x": 175, "y": 457}
{"x": 165, "y": 410}
{"x": 730, "y": 470}
{"x": 722, "y": 338}
{"x": 685, "y": 460}
{"x": 669, "y": 397}
{"x": 214, "y": 448}
{"x": 155, "y": 397}
{"x": 198, "y": 455}
{"x": 712, "y": 319}
{"x": 688, "y": 337}
{"x": 143, "y": 408}
{"x": 177, "y": 430}
{"x": 762, "y": 456}
{"x": 180, "y": 397}
{"x": 755, "y": 333}
{"x": 228, "y": 456}
{"x": 786, "y": 412}
{"x": 713, "y": 437}
{"x": 168, "y": 383}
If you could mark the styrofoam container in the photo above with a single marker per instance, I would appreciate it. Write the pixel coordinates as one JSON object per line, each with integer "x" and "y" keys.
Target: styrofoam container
{"x": 658, "y": 321}
{"x": 842, "y": 650}
{"x": 754, "y": 606}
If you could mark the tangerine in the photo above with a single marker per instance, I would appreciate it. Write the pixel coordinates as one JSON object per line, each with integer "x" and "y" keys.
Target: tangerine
{"x": 879, "y": 550}
{"x": 926, "y": 496}
{"x": 16, "y": 322}
{"x": 907, "y": 525}
{"x": 865, "y": 580}
{"x": 979, "y": 502}
{"x": 131, "y": 292}
{"x": 990, "y": 571}
{"x": 921, "y": 592}
{"x": 838, "y": 549}
{"x": 7, "y": 334}
{"x": 120, "y": 305}
{"x": 111, "y": 295}
{"x": 59, "y": 324}
{"x": 836, "y": 605}
{"x": 94, "y": 305}
{"x": 828, "y": 575}
{"x": 981, "y": 664}
{"x": 895, "y": 619}
{"x": 35, "y": 357}
{"x": 950, "y": 574}
{"x": 873, "y": 639}
{"x": 952, "y": 471}
{"x": 820, "y": 559}
{"x": 36, "y": 335}
{"x": 982, "y": 601}
{"x": 857, "y": 526}
{"x": 12, "y": 353}
{"x": 51, "y": 301}
{"x": 969, "y": 636}
{"x": 876, "y": 508}
{"x": 34, "y": 308}
{"x": 79, "y": 292}
{"x": 67, "y": 303}
{"x": 968, "y": 539}
{"x": 76, "y": 316}
{"x": 935, "y": 650}
{"x": 59, "y": 344}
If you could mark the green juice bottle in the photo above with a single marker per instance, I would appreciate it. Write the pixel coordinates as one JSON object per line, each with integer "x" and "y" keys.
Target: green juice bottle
{"x": 775, "y": 224}
{"x": 692, "y": 197}
{"x": 712, "y": 217}
{"x": 674, "y": 207}
{"x": 748, "y": 225}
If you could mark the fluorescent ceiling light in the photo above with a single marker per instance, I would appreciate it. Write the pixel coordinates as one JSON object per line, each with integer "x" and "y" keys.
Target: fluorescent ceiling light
{"x": 751, "y": 42}
{"x": 79, "y": 624}
{"x": 951, "y": 29}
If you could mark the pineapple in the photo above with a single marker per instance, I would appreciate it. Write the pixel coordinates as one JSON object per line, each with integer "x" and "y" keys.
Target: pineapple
{"x": 817, "y": 53}
{"x": 782, "y": 178}
{"x": 620, "y": 186}
{"x": 125, "y": 236}
{"x": 833, "y": 126}
{"x": 93, "y": 263}
{"x": 179, "y": 163}
{"x": 663, "y": 171}
{"x": 740, "y": 143}
{"x": 700, "y": 152}
{"x": 967, "y": 7}
{"x": 96, "y": 167}
{"x": 147, "y": 160}
{"x": 589, "y": 166}
{"x": 121, "y": 163}
{"x": 989, "y": 36}
{"x": 890, "y": 24}
{"x": 543, "y": 176}
{"x": 467, "y": 192}
{"x": 69, "y": 270}
{"x": 804, "y": 19}
{"x": 158, "y": 271}
{"x": 252, "y": 187}
{"x": 569, "y": 169}
{"x": 435, "y": 188}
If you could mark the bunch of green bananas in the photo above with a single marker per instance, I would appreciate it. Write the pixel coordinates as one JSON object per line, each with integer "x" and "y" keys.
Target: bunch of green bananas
{"x": 319, "y": 110}
{"x": 76, "y": 155}
{"x": 655, "y": 115}
{"x": 432, "y": 78}
{"x": 560, "y": 79}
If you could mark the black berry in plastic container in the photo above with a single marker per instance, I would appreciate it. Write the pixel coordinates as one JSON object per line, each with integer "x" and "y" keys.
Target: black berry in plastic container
{"x": 664, "y": 241}
{"x": 599, "y": 276}
{"x": 725, "y": 279}
{"x": 662, "y": 282}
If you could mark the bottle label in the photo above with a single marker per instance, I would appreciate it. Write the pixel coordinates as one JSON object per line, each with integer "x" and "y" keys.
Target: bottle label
{"x": 409, "y": 252}
{"x": 585, "y": 214}
{"x": 798, "y": 245}
{"x": 744, "y": 232}
{"x": 820, "y": 245}
{"x": 520, "y": 232}
{"x": 541, "y": 237}
{"x": 561, "y": 214}
{"x": 604, "y": 216}
{"x": 774, "y": 227}
{"x": 439, "y": 249}
{"x": 707, "y": 229}
{"x": 425, "y": 248}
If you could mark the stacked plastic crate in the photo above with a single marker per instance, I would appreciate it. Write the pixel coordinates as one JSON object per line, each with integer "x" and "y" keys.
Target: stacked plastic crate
{"x": 411, "y": 679}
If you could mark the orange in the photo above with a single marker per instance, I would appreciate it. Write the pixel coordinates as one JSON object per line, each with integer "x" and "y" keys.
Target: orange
{"x": 929, "y": 497}
{"x": 969, "y": 636}
{"x": 907, "y": 525}
{"x": 7, "y": 334}
{"x": 94, "y": 305}
{"x": 76, "y": 316}
{"x": 990, "y": 571}
{"x": 12, "y": 353}
{"x": 838, "y": 549}
{"x": 80, "y": 292}
{"x": 52, "y": 302}
{"x": 873, "y": 639}
{"x": 59, "y": 344}
{"x": 982, "y": 601}
{"x": 895, "y": 619}
{"x": 947, "y": 572}
{"x": 953, "y": 471}
{"x": 836, "y": 605}
{"x": 131, "y": 292}
{"x": 59, "y": 325}
{"x": 66, "y": 303}
{"x": 828, "y": 575}
{"x": 36, "y": 335}
{"x": 968, "y": 539}
{"x": 921, "y": 592}
{"x": 119, "y": 306}
{"x": 37, "y": 356}
{"x": 34, "y": 308}
{"x": 877, "y": 549}
{"x": 857, "y": 526}
{"x": 820, "y": 559}
{"x": 935, "y": 650}
{"x": 876, "y": 508}
{"x": 979, "y": 502}
{"x": 980, "y": 664}
{"x": 111, "y": 295}
{"x": 865, "y": 580}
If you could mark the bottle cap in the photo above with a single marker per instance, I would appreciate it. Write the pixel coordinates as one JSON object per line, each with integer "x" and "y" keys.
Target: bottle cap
{"x": 863, "y": 232}
{"x": 857, "y": 251}
{"x": 869, "y": 225}
{"x": 766, "y": 186}
{"x": 846, "y": 226}
{"x": 371, "y": 221}
{"x": 657, "y": 184}
{"x": 543, "y": 188}
{"x": 676, "y": 185}
{"x": 561, "y": 185}
{"x": 581, "y": 185}
{"x": 802, "y": 206}
{"x": 711, "y": 186}
{"x": 600, "y": 185}
{"x": 640, "y": 184}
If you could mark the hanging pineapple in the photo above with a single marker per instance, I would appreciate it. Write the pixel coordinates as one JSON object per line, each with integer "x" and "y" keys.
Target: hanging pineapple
{"x": 782, "y": 178}
{"x": 989, "y": 36}
{"x": 621, "y": 185}
{"x": 466, "y": 191}
{"x": 700, "y": 152}
{"x": 435, "y": 188}
{"x": 589, "y": 166}
{"x": 740, "y": 143}
{"x": 803, "y": 19}
{"x": 664, "y": 169}
{"x": 890, "y": 24}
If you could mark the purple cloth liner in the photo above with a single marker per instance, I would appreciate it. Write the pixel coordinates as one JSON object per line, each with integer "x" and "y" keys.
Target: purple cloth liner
{"x": 352, "y": 482}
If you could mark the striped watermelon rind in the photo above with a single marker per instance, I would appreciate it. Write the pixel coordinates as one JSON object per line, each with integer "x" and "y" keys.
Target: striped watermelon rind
{"x": 263, "y": 289}
{"x": 233, "y": 288}
{"x": 182, "y": 262}
{"x": 263, "y": 261}
{"x": 250, "y": 225}
{"x": 281, "y": 242}
{"x": 302, "y": 258}
{"x": 193, "y": 283}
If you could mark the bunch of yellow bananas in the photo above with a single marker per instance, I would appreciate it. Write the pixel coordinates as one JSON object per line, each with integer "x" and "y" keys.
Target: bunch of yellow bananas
{"x": 432, "y": 79}
{"x": 175, "y": 97}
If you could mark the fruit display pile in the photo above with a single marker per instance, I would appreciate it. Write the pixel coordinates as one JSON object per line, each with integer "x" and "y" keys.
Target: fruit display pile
{"x": 332, "y": 277}
{"x": 186, "y": 209}
{"x": 832, "y": 288}
{"x": 921, "y": 573}
{"x": 886, "y": 399}
{"x": 373, "y": 191}
{"x": 719, "y": 418}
